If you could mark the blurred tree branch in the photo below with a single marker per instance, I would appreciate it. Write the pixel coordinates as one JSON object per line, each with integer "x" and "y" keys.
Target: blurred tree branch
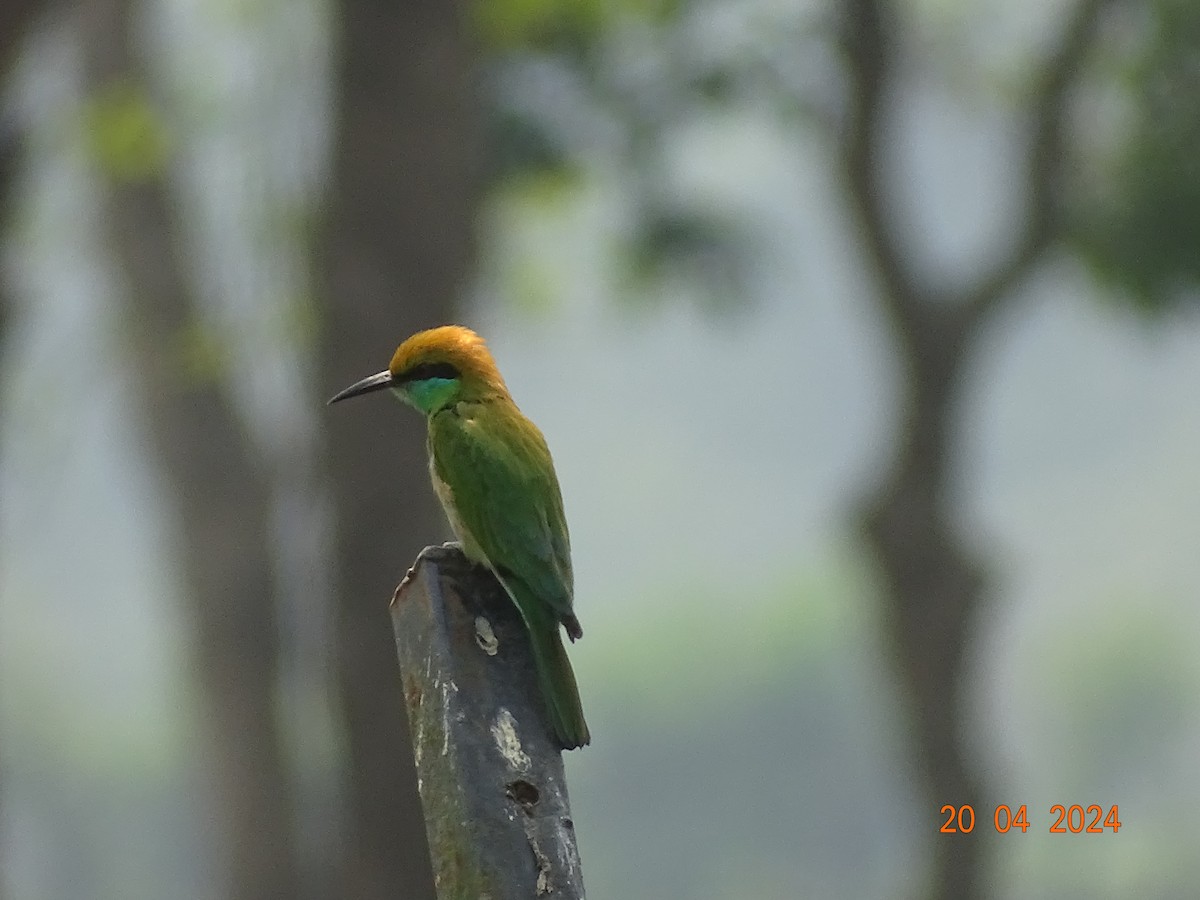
{"x": 1046, "y": 156}
{"x": 397, "y": 253}
{"x": 934, "y": 587}
{"x": 218, "y": 490}
{"x": 867, "y": 42}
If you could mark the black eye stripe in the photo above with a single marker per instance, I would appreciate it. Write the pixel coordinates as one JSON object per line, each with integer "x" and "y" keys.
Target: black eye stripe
{"x": 426, "y": 371}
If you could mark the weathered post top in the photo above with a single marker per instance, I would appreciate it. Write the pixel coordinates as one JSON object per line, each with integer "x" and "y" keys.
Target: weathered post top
{"x": 488, "y": 769}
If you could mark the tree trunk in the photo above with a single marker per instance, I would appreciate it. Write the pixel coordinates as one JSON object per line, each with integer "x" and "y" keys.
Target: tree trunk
{"x": 9, "y": 155}
{"x": 398, "y": 253}
{"x": 16, "y": 20}
{"x": 932, "y": 590}
{"x": 220, "y": 497}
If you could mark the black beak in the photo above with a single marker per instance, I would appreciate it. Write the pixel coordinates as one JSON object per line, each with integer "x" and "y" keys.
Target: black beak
{"x": 366, "y": 386}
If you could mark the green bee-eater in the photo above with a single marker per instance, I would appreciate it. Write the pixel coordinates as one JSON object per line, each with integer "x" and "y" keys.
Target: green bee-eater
{"x": 492, "y": 471}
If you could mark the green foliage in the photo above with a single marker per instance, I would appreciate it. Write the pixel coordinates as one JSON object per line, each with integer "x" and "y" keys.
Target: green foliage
{"x": 552, "y": 24}
{"x": 706, "y": 248}
{"x": 202, "y": 355}
{"x": 1139, "y": 228}
{"x": 522, "y": 145}
{"x": 677, "y": 658}
{"x": 748, "y": 716}
{"x": 124, "y": 134}
{"x": 568, "y": 98}
{"x": 507, "y": 24}
{"x": 1115, "y": 694}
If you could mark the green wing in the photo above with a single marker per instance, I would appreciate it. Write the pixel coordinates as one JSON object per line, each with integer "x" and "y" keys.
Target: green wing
{"x": 505, "y": 494}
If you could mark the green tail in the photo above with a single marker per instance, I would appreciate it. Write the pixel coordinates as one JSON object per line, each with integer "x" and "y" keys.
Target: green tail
{"x": 557, "y": 681}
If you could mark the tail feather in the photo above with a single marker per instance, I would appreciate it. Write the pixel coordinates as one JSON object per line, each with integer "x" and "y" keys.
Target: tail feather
{"x": 558, "y": 684}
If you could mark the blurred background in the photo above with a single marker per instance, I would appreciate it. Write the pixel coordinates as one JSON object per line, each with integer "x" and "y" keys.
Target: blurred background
{"x": 865, "y": 337}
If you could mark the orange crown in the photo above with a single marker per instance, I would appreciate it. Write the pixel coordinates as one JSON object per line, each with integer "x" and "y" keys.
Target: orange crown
{"x": 460, "y": 347}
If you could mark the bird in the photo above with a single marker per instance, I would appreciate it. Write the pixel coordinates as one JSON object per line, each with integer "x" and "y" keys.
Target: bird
{"x": 493, "y": 473}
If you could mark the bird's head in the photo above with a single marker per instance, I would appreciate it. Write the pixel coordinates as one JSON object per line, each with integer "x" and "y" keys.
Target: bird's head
{"x": 435, "y": 368}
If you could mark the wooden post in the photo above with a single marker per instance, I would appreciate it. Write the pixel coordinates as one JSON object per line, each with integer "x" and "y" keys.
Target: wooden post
{"x": 489, "y": 772}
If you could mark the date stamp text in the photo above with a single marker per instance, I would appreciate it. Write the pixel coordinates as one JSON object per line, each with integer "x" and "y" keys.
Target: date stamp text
{"x": 1073, "y": 819}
